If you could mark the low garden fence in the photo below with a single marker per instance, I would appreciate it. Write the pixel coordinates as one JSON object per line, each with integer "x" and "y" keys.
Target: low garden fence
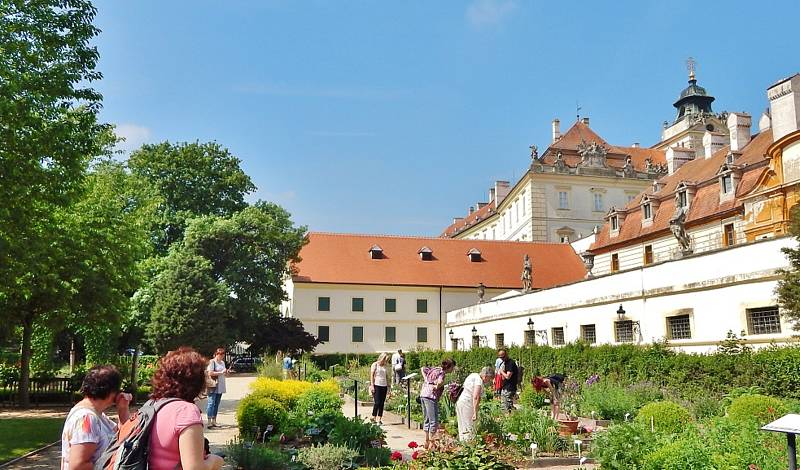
{"x": 55, "y": 391}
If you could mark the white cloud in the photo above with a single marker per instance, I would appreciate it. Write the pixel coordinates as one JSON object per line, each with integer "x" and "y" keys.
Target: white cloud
{"x": 134, "y": 136}
{"x": 487, "y": 13}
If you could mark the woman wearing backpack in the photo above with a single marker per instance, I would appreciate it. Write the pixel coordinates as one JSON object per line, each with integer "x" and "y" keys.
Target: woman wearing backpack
{"x": 469, "y": 401}
{"x": 87, "y": 429}
{"x": 177, "y": 433}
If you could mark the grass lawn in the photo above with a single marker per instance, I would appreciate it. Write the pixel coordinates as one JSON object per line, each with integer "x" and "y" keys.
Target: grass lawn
{"x": 18, "y": 436}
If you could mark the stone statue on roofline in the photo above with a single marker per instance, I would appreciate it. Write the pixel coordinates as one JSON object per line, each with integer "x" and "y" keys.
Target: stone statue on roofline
{"x": 534, "y": 153}
{"x": 481, "y": 292}
{"x": 677, "y": 226}
{"x": 628, "y": 170}
{"x": 527, "y": 274}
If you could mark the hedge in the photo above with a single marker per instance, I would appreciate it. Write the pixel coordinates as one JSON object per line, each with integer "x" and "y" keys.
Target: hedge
{"x": 775, "y": 370}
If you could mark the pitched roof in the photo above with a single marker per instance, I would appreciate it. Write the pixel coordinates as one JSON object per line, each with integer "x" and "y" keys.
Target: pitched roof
{"x": 486, "y": 211}
{"x": 706, "y": 201}
{"x": 344, "y": 259}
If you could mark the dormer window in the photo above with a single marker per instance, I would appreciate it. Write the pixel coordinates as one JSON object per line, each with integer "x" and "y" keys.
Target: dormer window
{"x": 376, "y": 252}
{"x": 425, "y": 254}
{"x": 474, "y": 255}
{"x": 614, "y": 223}
{"x": 682, "y": 199}
{"x": 647, "y": 211}
{"x": 726, "y": 183}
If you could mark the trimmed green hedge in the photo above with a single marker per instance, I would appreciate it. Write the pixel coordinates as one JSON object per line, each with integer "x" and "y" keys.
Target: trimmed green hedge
{"x": 775, "y": 370}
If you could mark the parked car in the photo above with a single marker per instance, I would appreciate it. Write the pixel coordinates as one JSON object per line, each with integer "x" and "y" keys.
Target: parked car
{"x": 245, "y": 364}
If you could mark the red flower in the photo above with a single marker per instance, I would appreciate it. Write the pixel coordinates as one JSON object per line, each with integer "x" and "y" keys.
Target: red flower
{"x": 412, "y": 445}
{"x": 396, "y": 456}
{"x": 415, "y": 455}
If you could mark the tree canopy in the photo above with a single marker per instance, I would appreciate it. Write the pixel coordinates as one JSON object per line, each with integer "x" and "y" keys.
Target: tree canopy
{"x": 788, "y": 289}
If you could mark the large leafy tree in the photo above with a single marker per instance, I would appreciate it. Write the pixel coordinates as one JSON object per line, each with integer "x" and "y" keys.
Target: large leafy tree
{"x": 48, "y": 134}
{"x": 194, "y": 179}
{"x": 249, "y": 254}
{"x": 788, "y": 289}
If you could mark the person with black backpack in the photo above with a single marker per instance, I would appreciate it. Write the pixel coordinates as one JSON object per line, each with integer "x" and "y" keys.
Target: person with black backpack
{"x": 87, "y": 429}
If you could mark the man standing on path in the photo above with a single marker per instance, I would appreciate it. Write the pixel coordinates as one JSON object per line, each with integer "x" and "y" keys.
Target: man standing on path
{"x": 510, "y": 374}
{"x": 398, "y": 367}
{"x": 287, "y": 366}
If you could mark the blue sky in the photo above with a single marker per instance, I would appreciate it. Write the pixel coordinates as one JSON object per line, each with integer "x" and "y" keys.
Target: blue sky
{"x": 394, "y": 117}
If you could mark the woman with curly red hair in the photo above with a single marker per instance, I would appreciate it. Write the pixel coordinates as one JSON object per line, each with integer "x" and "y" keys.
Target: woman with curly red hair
{"x": 177, "y": 434}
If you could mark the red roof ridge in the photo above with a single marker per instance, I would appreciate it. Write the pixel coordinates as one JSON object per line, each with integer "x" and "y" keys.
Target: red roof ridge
{"x": 430, "y": 238}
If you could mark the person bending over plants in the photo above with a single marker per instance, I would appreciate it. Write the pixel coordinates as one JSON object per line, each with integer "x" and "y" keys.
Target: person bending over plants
{"x": 553, "y": 384}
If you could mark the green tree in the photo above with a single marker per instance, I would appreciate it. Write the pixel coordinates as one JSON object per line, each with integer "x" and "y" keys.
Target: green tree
{"x": 189, "y": 306}
{"x": 194, "y": 179}
{"x": 788, "y": 288}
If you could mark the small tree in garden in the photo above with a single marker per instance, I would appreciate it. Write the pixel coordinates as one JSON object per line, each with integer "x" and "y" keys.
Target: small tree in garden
{"x": 788, "y": 289}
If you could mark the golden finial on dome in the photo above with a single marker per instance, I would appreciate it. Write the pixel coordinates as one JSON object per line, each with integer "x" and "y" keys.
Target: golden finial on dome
{"x": 690, "y": 66}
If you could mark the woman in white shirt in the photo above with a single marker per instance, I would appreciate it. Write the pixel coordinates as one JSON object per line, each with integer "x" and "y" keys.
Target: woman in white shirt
{"x": 378, "y": 387}
{"x": 469, "y": 400}
{"x": 217, "y": 371}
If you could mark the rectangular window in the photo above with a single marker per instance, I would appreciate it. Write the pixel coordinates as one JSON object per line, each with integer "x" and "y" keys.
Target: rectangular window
{"x": 648, "y": 254}
{"x": 390, "y": 334}
{"x": 763, "y": 321}
{"x": 682, "y": 199}
{"x": 324, "y": 304}
{"x": 678, "y": 327}
{"x": 523, "y": 205}
{"x": 648, "y": 211}
{"x": 358, "y": 334}
{"x": 324, "y": 333}
{"x": 614, "y": 263}
{"x": 499, "y": 340}
{"x": 589, "y": 333}
{"x": 623, "y": 331}
{"x": 454, "y": 344}
{"x": 614, "y": 223}
{"x": 563, "y": 202}
{"x": 476, "y": 342}
{"x": 422, "y": 305}
{"x": 390, "y": 305}
{"x": 530, "y": 338}
{"x": 558, "y": 336}
{"x": 564, "y": 238}
{"x": 598, "y": 202}
{"x": 729, "y": 235}
{"x": 422, "y": 334}
{"x": 358, "y": 304}
{"x": 727, "y": 184}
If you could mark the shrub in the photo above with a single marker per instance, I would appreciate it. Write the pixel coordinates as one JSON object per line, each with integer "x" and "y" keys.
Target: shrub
{"x": 256, "y": 410}
{"x": 644, "y": 393}
{"x": 270, "y": 370}
{"x": 377, "y": 456}
{"x": 474, "y": 456}
{"x": 608, "y": 401}
{"x": 531, "y": 425}
{"x": 531, "y": 398}
{"x": 759, "y": 409}
{"x": 355, "y": 434}
{"x": 489, "y": 418}
{"x": 686, "y": 453}
{"x": 735, "y": 446}
{"x": 254, "y": 457}
{"x": 667, "y": 417}
{"x": 326, "y": 457}
{"x": 318, "y": 400}
{"x": 623, "y": 446}
{"x": 287, "y": 392}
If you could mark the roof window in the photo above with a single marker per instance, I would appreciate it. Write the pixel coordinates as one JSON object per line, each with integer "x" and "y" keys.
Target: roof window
{"x": 425, "y": 254}
{"x": 474, "y": 255}
{"x": 376, "y": 252}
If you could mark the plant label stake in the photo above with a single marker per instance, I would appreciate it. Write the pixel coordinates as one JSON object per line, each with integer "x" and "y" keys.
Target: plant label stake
{"x": 626, "y": 416}
{"x": 652, "y": 424}
{"x": 578, "y": 443}
{"x": 533, "y": 451}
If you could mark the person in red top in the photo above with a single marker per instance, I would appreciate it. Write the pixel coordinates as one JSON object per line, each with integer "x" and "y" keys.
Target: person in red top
{"x": 177, "y": 435}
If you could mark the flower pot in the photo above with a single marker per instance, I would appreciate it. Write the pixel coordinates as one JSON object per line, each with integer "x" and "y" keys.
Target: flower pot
{"x": 567, "y": 427}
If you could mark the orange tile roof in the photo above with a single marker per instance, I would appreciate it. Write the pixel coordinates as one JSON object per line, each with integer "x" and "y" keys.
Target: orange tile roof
{"x": 484, "y": 212}
{"x": 344, "y": 259}
{"x": 704, "y": 205}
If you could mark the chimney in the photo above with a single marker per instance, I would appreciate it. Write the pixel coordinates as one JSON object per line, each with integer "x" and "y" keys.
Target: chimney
{"x": 457, "y": 219}
{"x": 677, "y": 156}
{"x": 739, "y": 127}
{"x": 784, "y": 106}
{"x": 471, "y": 210}
{"x": 765, "y": 122}
{"x": 585, "y": 120}
{"x": 492, "y": 192}
{"x": 501, "y": 190}
{"x": 635, "y": 145}
{"x": 480, "y": 205}
{"x": 713, "y": 141}
{"x": 556, "y": 130}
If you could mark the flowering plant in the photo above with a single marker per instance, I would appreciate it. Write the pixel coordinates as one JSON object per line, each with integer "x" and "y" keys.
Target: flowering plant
{"x": 592, "y": 380}
{"x": 413, "y": 445}
{"x": 396, "y": 456}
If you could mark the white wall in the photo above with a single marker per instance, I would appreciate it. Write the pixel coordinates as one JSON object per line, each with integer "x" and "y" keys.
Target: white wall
{"x": 715, "y": 289}
{"x": 340, "y": 319}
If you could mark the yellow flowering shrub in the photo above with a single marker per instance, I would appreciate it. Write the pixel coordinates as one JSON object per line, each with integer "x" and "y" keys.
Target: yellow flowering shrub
{"x": 287, "y": 392}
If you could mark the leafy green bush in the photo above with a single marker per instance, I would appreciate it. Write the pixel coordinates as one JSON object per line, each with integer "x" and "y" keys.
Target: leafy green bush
{"x": 255, "y": 410}
{"x": 475, "y": 456}
{"x": 644, "y": 393}
{"x": 623, "y": 446}
{"x": 318, "y": 400}
{"x": 608, "y": 401}
{"x": 254, "y": 457}
{"x": 666, "y": 417}
{"x": 686, "y": 453}
{"x": 490, "y": 417}
{"x": 759, "y": 409}
{"x": 530, "y": 398}
{"x": 531, "y": 425}
{"x": 377, "y": 456}
{"x": 269, "y": 369}
{"x": 8, "y": 373}
{"x": 355, "y": 434}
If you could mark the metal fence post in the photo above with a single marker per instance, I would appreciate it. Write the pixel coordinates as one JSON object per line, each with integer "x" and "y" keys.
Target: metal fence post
{"x": 355, "y": 395}
{"x": 408, "y": 403}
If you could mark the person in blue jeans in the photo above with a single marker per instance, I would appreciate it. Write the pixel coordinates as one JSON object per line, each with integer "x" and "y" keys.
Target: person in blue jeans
{"x": 431, "y": 392}
{"x": 217, "y": 371}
